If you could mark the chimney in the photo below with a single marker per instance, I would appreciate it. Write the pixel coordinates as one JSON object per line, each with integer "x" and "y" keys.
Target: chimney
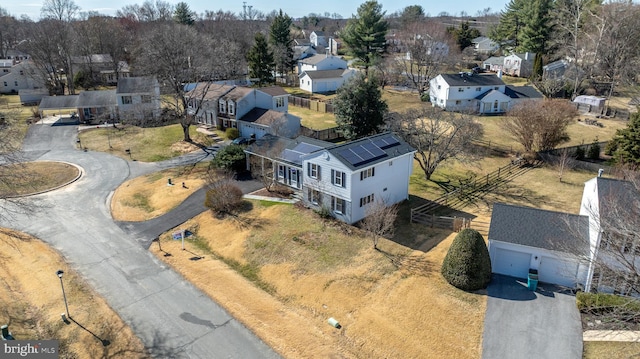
{"x": 527, "y": 56}
{"x": 600, "y": 172}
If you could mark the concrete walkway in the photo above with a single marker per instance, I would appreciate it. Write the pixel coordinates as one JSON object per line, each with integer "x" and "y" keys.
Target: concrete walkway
{"x": 611, "y": 336}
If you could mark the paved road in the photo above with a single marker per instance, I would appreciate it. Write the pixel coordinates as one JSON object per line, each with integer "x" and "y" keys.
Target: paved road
{"x": 173, "y": 318}
{"x": 522, "y": 324}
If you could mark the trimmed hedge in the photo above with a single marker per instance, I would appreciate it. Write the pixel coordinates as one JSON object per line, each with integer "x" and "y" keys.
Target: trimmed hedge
{"x": 605, "y": 302}
{"x": 467, "y": 265}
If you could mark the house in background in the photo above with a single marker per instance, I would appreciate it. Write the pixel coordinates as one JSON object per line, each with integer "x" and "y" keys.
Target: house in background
{"x": 255, "y": 112}
{"x": 101, "y": 68}
{"x": 325, "y": 80}
{"x": 302, "y": 52}
{"x": 348, "y": 178}
{"x": 98, "y": 106}
{"x": 555, "y": 70}
{"x": 553, "y": 243}
{"x": 485, "y": 94}
{"x": 16, "y": 76}
{"x": 318, "y": 39}
{"x": 484, "y": 45}
{"x": 138, "y": 98}
{"x": 519, "y": 64}
{"x": 321, "y": 62}
{"x": 494, "y": 64}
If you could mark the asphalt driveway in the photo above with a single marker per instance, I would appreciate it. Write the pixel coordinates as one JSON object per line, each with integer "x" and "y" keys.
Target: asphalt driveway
{"x": 523, "y": 324}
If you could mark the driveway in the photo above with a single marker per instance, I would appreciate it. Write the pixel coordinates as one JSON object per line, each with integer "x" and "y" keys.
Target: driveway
{"x": 522, "y": 324}
{"x": 172, "y": 317}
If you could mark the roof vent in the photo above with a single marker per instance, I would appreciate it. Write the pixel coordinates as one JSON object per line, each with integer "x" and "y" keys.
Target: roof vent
{"x": 600, "y": 172}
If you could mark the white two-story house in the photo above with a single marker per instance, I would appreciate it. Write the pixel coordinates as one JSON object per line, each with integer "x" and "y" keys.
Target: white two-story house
{"x": 138, "y": 98}
{"x": 323, "y": 73}
{"x": 346, "y": 179}
{"x": 16, "y": 76}
{"x": 485, "y": 94}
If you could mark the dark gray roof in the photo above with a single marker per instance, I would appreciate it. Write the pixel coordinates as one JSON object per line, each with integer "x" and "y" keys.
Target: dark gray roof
{"x": 92, "y": 59}
{"x": 136, "y": 85}
{"x": 319, "y": 33}
{"x": 324, "y": 74}
{"x": 398, "y": 149}
{"x": 262, "y": 116}
{"x": 495, "y": 60}
{"x": 95, "y": 99}
{"x": 274, "y": 91}
{"x": 286, "y": 150}
{"x": 522, "y": 92}
{"x": 464, "y": 79}
{"x": 557, "y": 231}
{"x": 615, "y": 195}
{"x": 58, "y": 102}
{"x": 317, "y": 58}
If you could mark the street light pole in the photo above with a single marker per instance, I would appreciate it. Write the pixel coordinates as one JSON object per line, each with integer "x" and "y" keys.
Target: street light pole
{"x": 60, "y": 273}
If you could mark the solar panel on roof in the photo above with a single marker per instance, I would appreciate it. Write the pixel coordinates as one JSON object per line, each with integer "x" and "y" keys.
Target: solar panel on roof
{"x": 350, "y": 156}
{"x": 361, "y": 154}
{"x": 291, "y": 156}
{"x": 372, "y": 148}
{"x": 306, "y": 147}
{"x": 386, "y": 142}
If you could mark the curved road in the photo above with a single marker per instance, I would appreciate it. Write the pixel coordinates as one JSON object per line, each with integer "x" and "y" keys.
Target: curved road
{"x": 173, "y": 318}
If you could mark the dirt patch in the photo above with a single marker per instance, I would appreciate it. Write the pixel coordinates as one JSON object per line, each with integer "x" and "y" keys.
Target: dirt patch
{"x": 391, "y": 303}
{"x": 31, "y": 298}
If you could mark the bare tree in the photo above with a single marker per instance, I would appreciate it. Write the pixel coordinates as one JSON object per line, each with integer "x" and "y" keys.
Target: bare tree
{"x": 428, "y": 50}
{"x": 437, "y": 136}
{"x": 262, "y": 165}
{"x": 223, "y": 195}
{"x": 564, "y": 162}
{"x": 379, "y": 221}
{"x": 540, "y": 125}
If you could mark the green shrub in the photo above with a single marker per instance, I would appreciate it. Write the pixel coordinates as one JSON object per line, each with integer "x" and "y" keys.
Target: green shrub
{"x": 604, "y": 302}
{"x": 579, "y": 154}
{"x": 467, "y": 265}
{"x": 231, "y": 158}
{"x": 425, "y": 97}
{"x": 594, "y": 151}
{"x": 232, "y": 133}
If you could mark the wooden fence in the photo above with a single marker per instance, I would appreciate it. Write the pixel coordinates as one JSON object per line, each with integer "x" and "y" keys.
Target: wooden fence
{"x": 328, "y": 134}
{"x": 315, "y": 105}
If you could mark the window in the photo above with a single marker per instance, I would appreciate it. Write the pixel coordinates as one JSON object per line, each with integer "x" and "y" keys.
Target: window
{"x": 293, "y": 174}
{"x": 460, "y": 89}
{"x": 21, "y": 73}
{"x": 5, "y": 70}
{"x": 279, "y": 101}
{"x": 478, "y": 88}
{"x": 338, "y": 205}
{"x": 5, "y": 83}
{"x": 369, "y": 172}
{"x": 313, "y": 196}
{"x": 146, "y": 99}
{"x": 496, "y": 88}
{"x": 495, "y": 105}
{"x": 126, "y": 100}
{"x": 458, "y": 102}
{"x": 439, "y": 87}
{"x": 15, "y": 83}
{"x": 313, "y": 170}
{"x": 280, "y": 171}
{"x": 222, "y": 106}
{"x": 365, "y": 200}
{"x": 338, "y": 178}
{"x": 232, "y": 108}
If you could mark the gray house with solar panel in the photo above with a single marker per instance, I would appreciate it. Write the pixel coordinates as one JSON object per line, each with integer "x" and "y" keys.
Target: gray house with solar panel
{"x": 348, "y": 178}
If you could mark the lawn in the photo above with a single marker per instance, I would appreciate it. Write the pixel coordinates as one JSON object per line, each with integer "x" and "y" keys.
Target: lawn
{"x": 611, "y": 350}
{"x": 313, "y": 119}
{"x": 34, "y": 177}
{"x": 145, "y": 144}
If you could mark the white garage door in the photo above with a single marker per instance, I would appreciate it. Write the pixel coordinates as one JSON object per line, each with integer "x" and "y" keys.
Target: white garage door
{"x": 558, "y": 271}
{"x": 511, "y": 263}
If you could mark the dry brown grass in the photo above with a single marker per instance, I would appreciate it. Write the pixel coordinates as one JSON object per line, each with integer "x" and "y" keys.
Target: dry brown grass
{"x": 31, "y": 299}
{"x": 404, "y": 310}
{"x": 611, "y": 350}
{"x": 151, "y": 196}
{"x": 34, "y": 177}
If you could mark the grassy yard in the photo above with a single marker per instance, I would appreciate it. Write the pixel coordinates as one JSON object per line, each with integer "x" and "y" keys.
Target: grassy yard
{"x": 611, "y": 350}
{"x": 146, "y": 144}
{"x": 313, "y": 119}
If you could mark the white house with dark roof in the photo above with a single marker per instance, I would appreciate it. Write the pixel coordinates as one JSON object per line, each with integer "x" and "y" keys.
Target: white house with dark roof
{"x": 138, "y": 97}
{"x": 321, "y": 62}
{"x": 348, "y": 178}
{"x": 97, "y": 105}
{"x": 318, "y": 39}
{"x": 554, "y": 244}
{"x": 485, "y": 94}
{"x": 325, "y": 80}
{"x": 519, "y": 64}
{"x": 494, "y": 64}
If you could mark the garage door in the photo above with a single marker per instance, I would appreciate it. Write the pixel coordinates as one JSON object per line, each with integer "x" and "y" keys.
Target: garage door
{"x": 558, "y": 271}
{"x": 511, "y": 263}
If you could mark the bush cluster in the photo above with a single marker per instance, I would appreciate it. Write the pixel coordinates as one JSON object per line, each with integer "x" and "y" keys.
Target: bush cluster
{"x": 224, "y": 198}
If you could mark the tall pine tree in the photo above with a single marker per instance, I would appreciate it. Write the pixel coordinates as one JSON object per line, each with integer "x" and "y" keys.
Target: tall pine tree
{"x": 260, "y": 61}
{"x": 183, "y": 15}
{"x": 359, "y": 108}
{"x": 281, "y": 42}
{"x": 365, "y": 34}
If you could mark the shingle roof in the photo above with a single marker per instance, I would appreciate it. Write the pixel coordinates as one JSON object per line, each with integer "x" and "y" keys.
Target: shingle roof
{"x": 90, "y": 99}
{"x": 324, "y": 74}
{"x": 522, "y": 92}
{"x": 317, "y": 58}
{"x": 464, "y": 79}
{"x": 615, "y": 195}
{"x": 274, "y": 91}
{"x": 285, "y": 149}
{"x": 136, "y": 85}
{"x": 92, "y": 59}
{"x": 262, "y": 116}
{"x": 237, "y": 93}
{"x": 58, "y": 102}
{"x": 399, "y": 149}
{"x": 213, "y": 91}
{"x": 539, "y": 228}
{"x": 494, "y": 60}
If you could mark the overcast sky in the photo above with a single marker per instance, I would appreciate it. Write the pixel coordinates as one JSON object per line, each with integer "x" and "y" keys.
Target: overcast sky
{"x": 294, "y": 8}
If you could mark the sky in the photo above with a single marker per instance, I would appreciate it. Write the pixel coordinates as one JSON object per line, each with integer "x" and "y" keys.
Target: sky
{"x": 294, "y": 8}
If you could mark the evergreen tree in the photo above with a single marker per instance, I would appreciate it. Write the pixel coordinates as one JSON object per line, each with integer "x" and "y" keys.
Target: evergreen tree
{"x": 537, "y": 67}
{"x": 260, "y": 61}
{"x": 281, "y": 42}
{"x": 467, "y": 265}
{"x": 536, "y": 32}
{"x": 625, "y": 145}
{"x": 359, "y": 108}
{"x": 365, "y": 33}
{"x": 464, "y": 35}
{"x": 183, "y": 15}
{"x": 510, "y": 25}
